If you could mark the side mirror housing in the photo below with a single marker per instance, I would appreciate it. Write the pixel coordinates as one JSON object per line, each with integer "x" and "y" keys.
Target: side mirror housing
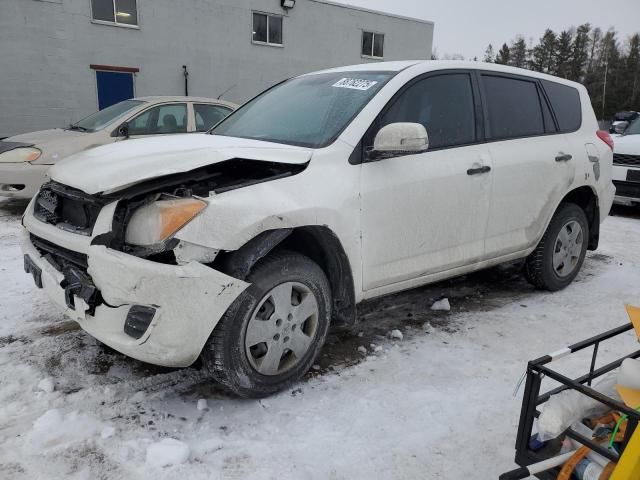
{"x": 397, "y": 139}
{"x": 620, "y": 127}
{"x": 122, "y": 130}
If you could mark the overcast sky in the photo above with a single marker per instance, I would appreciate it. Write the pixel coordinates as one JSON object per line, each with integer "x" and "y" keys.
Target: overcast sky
{"x": 468, "y": 26}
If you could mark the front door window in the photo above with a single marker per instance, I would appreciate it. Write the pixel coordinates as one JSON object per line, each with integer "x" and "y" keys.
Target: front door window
{"x": 163, "y": 119}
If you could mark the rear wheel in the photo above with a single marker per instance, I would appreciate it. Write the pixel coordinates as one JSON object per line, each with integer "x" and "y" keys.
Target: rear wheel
{"x": 559, "y": 256}
{"x": 271, "y": 335}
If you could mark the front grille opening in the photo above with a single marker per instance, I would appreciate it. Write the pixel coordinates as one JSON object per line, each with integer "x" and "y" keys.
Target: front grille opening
{"x": 626, "y": 160}
{"x": 58, "y": 256}
{"x": 67, "y": 208}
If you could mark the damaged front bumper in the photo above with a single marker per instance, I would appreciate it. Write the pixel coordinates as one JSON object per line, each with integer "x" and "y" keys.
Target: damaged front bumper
{"x": 171, "y": 309}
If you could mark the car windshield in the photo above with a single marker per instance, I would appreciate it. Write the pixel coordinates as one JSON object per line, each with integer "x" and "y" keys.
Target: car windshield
{"x": 98, "y": 120}
{"x": 309, "y": 111}
{"x": 634, "y": 128}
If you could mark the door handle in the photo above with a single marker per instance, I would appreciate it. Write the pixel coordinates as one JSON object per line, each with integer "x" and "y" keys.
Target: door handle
{"x": 479, "y": 170}
{"x": 563, "y": 157}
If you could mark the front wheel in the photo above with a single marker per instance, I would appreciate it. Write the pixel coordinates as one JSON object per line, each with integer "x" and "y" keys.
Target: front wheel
{"x": 559, "y": 256}
{"x": 272, "y": 333}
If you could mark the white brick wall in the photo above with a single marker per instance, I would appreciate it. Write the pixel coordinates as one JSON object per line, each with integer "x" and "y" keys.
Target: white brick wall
{"x": 46, "y": 47}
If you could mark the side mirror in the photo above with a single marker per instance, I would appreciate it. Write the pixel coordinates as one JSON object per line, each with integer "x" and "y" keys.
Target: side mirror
{"x": 123, "y": 130}
{"x": 398, "y": 139}
{"x": 620, "y": 127}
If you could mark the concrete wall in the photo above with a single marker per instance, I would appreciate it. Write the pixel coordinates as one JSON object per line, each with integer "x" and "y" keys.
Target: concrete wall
{"x": 46, "y": 47}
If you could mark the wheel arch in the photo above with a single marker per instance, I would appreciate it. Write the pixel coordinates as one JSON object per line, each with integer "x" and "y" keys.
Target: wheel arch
{"x": 587, "y": 199}
{"x": 317, "y": 242}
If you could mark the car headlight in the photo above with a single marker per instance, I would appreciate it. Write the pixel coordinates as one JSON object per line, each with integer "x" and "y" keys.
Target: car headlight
{"x": 158, "y": 221}
{"x": 20, "y": 154}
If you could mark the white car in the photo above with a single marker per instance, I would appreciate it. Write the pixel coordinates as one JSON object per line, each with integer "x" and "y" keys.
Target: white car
{"x": 25, "y": 159}
{"x": 626, "y": 165}
{"x": 242, "y": 246}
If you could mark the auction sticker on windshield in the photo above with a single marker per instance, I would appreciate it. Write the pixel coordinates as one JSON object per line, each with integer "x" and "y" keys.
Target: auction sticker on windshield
{"x": 354, "y": 83}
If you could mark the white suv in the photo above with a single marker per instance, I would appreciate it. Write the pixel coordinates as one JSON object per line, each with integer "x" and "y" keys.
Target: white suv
{"x": 626, "y": 165}
{"x": 326, "y": 190}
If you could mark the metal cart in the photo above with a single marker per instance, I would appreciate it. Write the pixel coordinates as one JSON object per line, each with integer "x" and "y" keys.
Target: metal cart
{"x": 545, "y": 463}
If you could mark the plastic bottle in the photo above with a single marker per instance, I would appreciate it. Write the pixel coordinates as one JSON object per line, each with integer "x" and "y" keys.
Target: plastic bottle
{"x": 591, "y": 456}
{"x": 588, "y": 470}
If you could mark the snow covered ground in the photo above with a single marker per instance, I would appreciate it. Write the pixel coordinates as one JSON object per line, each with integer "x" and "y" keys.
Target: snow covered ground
{"x": 436, "y": 403}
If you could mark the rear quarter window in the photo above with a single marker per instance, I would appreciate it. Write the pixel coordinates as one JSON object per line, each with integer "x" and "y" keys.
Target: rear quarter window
{"x": 513, "y": 106}
{"x": 565, "y": 101}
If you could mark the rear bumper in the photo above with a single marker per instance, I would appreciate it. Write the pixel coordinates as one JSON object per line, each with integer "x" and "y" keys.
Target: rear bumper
{"x": 627, "y": 193}
{"x": 627, "y": 186}
{"x": 21, "y": 180}
{"x": 188, "y": 301}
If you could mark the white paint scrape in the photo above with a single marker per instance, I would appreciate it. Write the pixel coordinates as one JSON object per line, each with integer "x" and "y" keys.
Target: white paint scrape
{"x": 167, "y": 451}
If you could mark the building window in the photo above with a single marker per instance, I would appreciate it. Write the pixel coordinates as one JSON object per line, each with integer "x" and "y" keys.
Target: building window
{"x": 267, "y": 29}
{"x": 118, "y": 12}
{"x": 372, "y": 44}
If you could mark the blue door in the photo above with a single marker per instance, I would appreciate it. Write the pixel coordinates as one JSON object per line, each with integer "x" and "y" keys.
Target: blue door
{"x": 113, "y": 87}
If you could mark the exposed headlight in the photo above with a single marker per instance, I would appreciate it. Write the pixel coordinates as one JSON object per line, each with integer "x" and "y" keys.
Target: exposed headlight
{"x": 21, "y": 154}
{"x": 158, "y": 221}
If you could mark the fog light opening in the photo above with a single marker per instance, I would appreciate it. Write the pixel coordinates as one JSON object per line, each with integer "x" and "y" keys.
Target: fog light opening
{"x": 138, "y": 320}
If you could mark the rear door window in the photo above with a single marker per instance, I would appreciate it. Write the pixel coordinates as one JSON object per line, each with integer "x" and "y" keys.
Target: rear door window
{"x": 208, "y": 115}
{"x": 443, "y": 104}
{"x": 513, "y": 106}
{"x": 565, "y": 101}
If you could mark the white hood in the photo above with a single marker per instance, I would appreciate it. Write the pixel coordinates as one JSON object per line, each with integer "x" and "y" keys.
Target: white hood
{"x": 115, "y": 166}
{"x": 626, "y": 144}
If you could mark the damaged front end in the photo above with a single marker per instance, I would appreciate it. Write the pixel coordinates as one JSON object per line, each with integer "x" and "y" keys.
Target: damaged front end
{"x": 114, "y": 262}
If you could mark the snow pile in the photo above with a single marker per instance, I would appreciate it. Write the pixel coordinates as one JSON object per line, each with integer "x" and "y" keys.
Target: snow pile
{"x": 56, "y": 430}
{"x": 46, "y": 385}
{"x": 167, "y": 451}
{"x": 396, "y": 335}
{"x": 441, "y": 305}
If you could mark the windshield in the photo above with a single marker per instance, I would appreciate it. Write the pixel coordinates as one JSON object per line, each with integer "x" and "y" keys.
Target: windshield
{"x": 309, "y": 111}
{"x": 98, "y": 120}
{"x": 634, "y": 128}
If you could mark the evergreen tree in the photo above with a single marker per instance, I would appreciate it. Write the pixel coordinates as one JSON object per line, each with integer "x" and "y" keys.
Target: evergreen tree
{"x": 564, "y": 53}
{"x": 632, "y": 74}
{"x": 589, "y": 56}
{"x": 518, "y": 53}
{"x": 579, "y": 53}
{"x": 544, "y": 54}
{"x": 504, "y": 55}
{"x": 489, "y": 56}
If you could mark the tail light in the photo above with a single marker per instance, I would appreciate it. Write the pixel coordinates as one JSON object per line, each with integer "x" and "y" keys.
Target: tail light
{"x": 605, "y": 137}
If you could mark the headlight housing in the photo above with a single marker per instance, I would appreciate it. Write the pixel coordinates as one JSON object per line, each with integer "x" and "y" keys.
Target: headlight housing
{"x": 158, "y": 221}
{"x": 20, "y": 154}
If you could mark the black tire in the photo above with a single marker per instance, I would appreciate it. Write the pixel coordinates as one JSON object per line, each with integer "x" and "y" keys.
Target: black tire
{"x": 539, "y": 270}
{"x": 225, "y": 356}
